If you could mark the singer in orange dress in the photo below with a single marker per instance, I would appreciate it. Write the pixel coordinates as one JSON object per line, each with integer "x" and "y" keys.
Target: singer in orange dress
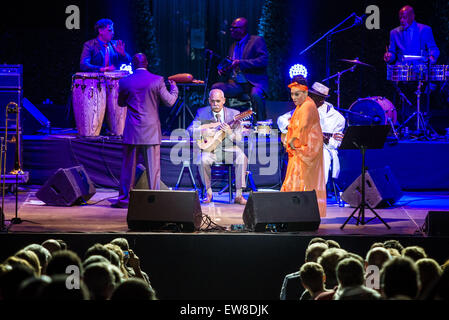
{"x": 304, "y": 143}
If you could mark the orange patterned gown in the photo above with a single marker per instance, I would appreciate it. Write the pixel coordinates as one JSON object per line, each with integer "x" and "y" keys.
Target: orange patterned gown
{"x": 305, "y": 170}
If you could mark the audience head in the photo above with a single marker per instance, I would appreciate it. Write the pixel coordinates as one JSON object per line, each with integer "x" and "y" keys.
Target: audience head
{"x": 312, "y": 277}
{"x": 377, "y": 245}
{"x": 32, "y": 259}
{"x": 429, "y": 272}
{"x": 134, "y": 289}
{"x": 122, "y": 243}
{"x": 42, "y": 254}
{"x": 350, "y": 273}
{"x": 394, "y": 252}
{"x": 100, "y": 280}
{"x": 94, "y": 259}
{"x": 61, "y": 260}
{"x": 329, "y": 261}
{"x": 52, "y": 245}
{"x": 377, "y": 256}
{"x": 314, "y": 251}
{"x": 399, "y": 277}
{"x": 101, "y": 250}
{"x": 414, "y": 252}
{"x": 395, "y": 244}
{"x": 316, "y": 240}
{"x": 332, "y": 244}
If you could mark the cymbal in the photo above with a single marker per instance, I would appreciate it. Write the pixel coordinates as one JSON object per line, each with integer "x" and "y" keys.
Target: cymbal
{"x": 357, "y": 61}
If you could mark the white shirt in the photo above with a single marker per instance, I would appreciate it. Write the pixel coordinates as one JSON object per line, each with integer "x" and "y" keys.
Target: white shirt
{"x": 331, "y": 121}
{"x": 221, "y": 113}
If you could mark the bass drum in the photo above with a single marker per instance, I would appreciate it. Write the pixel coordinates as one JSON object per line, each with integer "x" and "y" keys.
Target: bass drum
{"x": 372, "y": 111}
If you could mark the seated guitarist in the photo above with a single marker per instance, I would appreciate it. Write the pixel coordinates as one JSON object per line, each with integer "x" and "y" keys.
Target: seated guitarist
{"x": 332, "y": 125}
{"x": 207, "y": 123}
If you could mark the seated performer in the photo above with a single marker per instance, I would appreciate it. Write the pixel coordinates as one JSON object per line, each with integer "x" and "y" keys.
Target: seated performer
{"x": 332, "y": 125}
{"x": 103, "y": 54}
{"x": 305, "y": 170}
{"x": 208, "y": 121}
{"x": 248, "y": 71}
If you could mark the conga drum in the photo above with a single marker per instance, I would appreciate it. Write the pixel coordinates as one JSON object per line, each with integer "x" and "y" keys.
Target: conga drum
{"x": 89, "y": 102}
{"x": 115, "y": 115}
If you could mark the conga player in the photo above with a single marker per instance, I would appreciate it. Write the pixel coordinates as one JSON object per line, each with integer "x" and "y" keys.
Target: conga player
{"x": 103, "y": 54}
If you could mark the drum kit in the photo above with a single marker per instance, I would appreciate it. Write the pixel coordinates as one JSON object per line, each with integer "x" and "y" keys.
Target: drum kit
{"x": 94, "y": 96}
{"x": 381, "y": 111}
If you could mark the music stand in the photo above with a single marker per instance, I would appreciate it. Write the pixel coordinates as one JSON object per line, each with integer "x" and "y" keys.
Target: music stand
{"x": 363, "y": 138}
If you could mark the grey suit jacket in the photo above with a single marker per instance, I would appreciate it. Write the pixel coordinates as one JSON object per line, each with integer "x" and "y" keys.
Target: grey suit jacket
{"x": 254, "y": 61}
{"x": 205, "y": 116}
{"x": 142, "y": 93}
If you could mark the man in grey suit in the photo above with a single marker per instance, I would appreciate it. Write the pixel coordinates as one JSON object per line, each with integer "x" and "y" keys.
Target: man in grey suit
{"x": 142, "y": 93}
{"x": 248, "y": 72}
{"x": 226, "y": 152}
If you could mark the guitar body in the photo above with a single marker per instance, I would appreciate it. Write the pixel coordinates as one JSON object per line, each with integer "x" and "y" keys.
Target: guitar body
{"x": 209, "y": 142}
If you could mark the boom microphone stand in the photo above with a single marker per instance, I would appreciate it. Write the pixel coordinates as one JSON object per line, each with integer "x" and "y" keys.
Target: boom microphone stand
{"x": 358, "y": 21}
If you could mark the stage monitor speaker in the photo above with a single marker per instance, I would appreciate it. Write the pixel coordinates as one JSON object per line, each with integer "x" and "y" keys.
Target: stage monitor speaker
{"x": 288, "y": 211}
{"x": 381, "y": 189}
{"x": 160, "y": 209}
{"x": 437, "y": 223}
{"x": 67, "y": 187}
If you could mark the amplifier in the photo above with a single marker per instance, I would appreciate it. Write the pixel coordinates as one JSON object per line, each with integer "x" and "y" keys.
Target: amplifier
{"x": 11, "y": 77}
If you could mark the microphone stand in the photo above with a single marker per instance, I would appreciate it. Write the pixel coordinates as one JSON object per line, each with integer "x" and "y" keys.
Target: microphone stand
{"x": 329, "y": 40}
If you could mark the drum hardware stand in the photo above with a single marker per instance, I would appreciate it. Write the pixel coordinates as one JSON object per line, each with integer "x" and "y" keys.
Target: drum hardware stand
{"x": 421, "y": 125}
{"x": 363, "y": 138}
{"x": 337, "y": 81}
{"x": 181, "y": 109}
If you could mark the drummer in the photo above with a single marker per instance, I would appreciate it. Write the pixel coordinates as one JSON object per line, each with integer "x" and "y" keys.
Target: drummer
{"x": 103, "y": 54}
{"x": 412, "y": 39}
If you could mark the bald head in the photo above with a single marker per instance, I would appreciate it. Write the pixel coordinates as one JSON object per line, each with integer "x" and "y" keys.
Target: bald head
{"x": 140, "y": 61}
{"x": 239, "y": 28}
{"x": 216, "y": 100}
{"x": 406, "y": 16}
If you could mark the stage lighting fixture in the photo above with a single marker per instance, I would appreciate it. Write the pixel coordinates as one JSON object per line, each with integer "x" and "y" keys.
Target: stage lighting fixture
{"x": 298, "y": 69}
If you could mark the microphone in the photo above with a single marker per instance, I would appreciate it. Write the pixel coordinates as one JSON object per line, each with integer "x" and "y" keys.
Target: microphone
{"x": 359, "y": 20}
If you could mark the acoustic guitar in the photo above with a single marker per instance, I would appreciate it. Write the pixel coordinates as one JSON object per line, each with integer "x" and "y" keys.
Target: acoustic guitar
{"x": 211, "y": 142}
